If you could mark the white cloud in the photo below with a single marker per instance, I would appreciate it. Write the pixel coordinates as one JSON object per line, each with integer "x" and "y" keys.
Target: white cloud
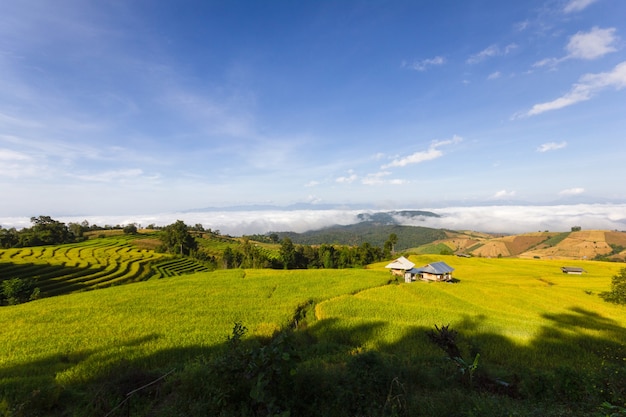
{"x": 17, "y": 165}
{"x": 313, "y": 199}
{"x": 454, "y": 140}
{"x": 593, "y": 44}
{"x": 551, "y": 146}
{"x": 9, "y": 155}
{"x": 577, "y": 5}
{"x": 415, "y": 158}
{"x": 572, "y": 191}
{"x": 347, "y": 179}
{"x": 312, "y": 183}
{"x": 485, "y": 53}
{"x": 585, "y": 89}
{"x": 375, "y": 179}
{"x": 424, "y": 64}
{"x": 433, "y": 152}
{"x": 494, "y": 75}
{"x": 521, "y": 219}
{"x": 585, "y": 45}
{"x": 489, "y": 52}
{"x": 503, "y": 194}
{"x": 379, "y": 178}
{"x": 547, "y": 62}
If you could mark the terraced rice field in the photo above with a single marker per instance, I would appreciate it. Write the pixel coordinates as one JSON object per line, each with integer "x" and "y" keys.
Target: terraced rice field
{"x": 89, "y": 265}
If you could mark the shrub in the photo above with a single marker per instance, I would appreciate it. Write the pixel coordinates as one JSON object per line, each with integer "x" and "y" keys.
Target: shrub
{"x": 19, "y": 290}
{"x": 617, "y": 294}
{"x": 251, "y": 378}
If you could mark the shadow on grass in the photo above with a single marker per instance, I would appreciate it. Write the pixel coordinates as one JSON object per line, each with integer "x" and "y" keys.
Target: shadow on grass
{"x": 50, "y": 279}
{"x": 571, "y": 367}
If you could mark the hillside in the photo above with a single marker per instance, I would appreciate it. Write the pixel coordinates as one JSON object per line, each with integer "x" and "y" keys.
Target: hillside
{"x": 372, "y": 232}
{"x": 358, "y": 344}
{"x": 582, "y": 245}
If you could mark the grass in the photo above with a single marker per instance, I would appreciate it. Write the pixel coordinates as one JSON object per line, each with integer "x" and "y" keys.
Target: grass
{"x": 527, "y": 319}
{"x": 518, "y": 300}
{"x": 96, "y": 263}
{"x": 69, "y": 340}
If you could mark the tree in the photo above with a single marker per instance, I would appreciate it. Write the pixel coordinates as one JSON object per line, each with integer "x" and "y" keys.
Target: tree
{"x": 45, "y": 231}
{"x": 288, "y": 253}
{"x": 8, "y": 237}
{"x": 19, "y": 290}
{"x": 327, "y": 256}
{"x": 393, "y": 239}
{"x": 130, "y": 229}
{"x": 176, "y": 238}
{"x": 228, "y": 258}
{"x": 617, "y": 294}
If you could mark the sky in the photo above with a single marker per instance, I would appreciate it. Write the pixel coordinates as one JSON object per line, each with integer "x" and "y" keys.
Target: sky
{"x": 135, "y": 107}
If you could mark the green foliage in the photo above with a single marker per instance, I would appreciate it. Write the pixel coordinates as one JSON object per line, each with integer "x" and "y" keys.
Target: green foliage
{"x": 556, "y": 239}
{"x": 617, "y": 295}
{"x": 177, "y": 239}
{"x": 615, "y": 250}
{"x": 431, "y": 248}
{"x": 19, "y": 290}
{"x": 130, "y": 229}
{"x": 288, "y": 253}
{"x": 373, "y": 233}
{"x": 609, "y": 410}
{"x": 250, "y": 377}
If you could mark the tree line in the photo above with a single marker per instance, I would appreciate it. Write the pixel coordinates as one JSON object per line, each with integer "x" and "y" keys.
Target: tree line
{"x": 178, "y": 239}
{"x": 47, "y": 231}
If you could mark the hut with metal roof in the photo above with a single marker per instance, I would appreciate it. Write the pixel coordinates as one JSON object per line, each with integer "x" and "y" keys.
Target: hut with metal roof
{"x": 435, "y": 271}
{"x": 572, "y": 270}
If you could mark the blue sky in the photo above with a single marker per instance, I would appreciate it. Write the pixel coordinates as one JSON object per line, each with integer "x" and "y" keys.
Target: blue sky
{"x": 128, "y": 107}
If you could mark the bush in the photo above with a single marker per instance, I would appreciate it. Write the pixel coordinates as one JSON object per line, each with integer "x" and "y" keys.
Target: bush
{"x": 18, "y": 290}
{"x": 247, "y": 378}
{"x": 617, "y": 295}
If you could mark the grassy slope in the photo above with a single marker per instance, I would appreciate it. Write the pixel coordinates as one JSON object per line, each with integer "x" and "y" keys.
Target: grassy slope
{"x": 72, "y": 339}
{"x": 520, "y": 314}
{"x": 516, "y": 300}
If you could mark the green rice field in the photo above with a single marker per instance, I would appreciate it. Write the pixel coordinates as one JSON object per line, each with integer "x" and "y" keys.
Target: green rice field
{"x": 92, "y": 264}
{"x": 529, "y": 322}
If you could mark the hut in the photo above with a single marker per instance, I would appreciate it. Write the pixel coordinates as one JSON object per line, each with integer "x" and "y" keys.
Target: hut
{"x": 400, "y": 268}
{"x": 435, "y": 271}
{"x": 572, "y": 270}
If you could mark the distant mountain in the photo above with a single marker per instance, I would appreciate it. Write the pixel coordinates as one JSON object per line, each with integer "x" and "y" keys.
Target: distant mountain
{"x": 374, "y": 232}
{"x": 396, "y": 217}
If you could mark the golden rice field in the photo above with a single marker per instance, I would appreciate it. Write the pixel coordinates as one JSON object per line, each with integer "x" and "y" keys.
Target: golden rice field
{"x": 518, "y": 313}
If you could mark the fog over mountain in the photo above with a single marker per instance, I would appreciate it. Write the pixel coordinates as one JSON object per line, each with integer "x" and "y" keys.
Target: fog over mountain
{"x": 498, "y": 219}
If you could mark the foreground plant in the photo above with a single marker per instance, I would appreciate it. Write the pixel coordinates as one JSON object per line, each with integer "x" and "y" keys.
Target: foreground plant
{"x": 446, "y": 339}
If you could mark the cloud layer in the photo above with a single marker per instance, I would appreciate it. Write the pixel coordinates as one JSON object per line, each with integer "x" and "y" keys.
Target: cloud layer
{"x": 496, "y": 219}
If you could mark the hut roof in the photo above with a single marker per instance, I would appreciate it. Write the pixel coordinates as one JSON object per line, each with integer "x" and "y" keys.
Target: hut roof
{"x": 401, "y": 263}
{"x": 435, "y": 268}
{"x": 572, "y": 269}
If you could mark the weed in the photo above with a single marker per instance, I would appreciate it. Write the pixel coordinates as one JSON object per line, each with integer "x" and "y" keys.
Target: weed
{"x": 446, "y": 339}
